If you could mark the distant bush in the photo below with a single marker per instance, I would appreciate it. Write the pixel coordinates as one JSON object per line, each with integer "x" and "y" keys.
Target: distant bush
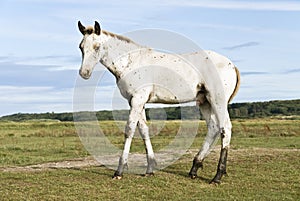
{"x": 236, "y": 110}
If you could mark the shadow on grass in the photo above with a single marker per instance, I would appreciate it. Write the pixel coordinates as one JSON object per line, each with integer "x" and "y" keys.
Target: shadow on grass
{"x": 100, "y": 170}
{"x": 184, "y": 174}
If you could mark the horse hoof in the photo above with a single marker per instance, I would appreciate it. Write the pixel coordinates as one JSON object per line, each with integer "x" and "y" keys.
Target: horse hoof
{"x": 117, "y": 177}
{"x": 149, "y": 174}
{"x": 193, "y": 176}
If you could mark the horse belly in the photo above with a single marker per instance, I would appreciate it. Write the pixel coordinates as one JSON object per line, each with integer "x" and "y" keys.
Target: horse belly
{"x": 167, "y": 97}
{"x": 173, "y": 93}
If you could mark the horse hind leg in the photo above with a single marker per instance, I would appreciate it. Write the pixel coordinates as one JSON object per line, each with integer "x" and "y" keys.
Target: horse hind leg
{"x": 210, "y": 139}
{"x": 225, "y": 140}
{"x": 218, "y": 123}
{"x": 216, "y": 98}
{"x": 221, "y": 170}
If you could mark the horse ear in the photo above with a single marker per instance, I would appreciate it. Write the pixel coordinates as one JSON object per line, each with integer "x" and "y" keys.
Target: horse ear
{"x": 97, "y": 28}
{"x": 81, "y": 28}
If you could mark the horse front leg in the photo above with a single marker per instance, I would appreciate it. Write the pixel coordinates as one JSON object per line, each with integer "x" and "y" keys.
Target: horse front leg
{"x": 134, "y": 116}
{"x": 144, "y": 132}
{"x": 137, "y": 104}
{"x": 129, "y": 133}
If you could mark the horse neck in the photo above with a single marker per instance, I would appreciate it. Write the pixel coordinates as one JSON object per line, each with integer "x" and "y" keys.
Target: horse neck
{"x": 115, "y": 52}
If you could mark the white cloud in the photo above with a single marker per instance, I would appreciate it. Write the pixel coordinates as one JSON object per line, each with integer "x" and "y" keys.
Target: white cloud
{"x": 263, "y": 87}
{"x": 33, "y": 94}
{"x": 238, "y": 5}
{"x": 271, "y": 5}
{"x": 34, "y": 99}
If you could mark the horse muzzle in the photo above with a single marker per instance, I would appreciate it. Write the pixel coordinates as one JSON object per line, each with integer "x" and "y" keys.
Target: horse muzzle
{"x": 85, "y": 74}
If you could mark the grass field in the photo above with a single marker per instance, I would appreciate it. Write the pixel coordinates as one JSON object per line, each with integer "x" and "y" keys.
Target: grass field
{"x": 263, "y": 164}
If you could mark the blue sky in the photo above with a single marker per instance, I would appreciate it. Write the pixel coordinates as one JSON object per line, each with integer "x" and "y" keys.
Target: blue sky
{"x": 40, "y": 58}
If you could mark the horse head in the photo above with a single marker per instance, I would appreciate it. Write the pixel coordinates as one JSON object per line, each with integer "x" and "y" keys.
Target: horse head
{"x": 90, "y": 48}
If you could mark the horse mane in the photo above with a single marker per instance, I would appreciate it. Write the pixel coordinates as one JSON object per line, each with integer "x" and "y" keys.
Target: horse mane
{"x": 90, "y": 30}
{"x": 123, "y": 38}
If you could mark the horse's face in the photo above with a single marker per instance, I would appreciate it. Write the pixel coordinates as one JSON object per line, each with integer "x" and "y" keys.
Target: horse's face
{"x": 89, "y": 47}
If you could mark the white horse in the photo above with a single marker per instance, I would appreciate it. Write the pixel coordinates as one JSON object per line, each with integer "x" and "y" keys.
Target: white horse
{"x": 147, "y": 76}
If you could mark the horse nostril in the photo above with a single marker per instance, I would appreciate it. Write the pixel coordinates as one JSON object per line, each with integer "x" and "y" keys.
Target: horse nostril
{"x": 81, "y": 73}
{"x": 85, "y": 74}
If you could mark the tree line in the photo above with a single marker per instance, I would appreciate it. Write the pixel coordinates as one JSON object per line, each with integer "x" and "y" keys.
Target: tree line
{"x": 236, "y": 110}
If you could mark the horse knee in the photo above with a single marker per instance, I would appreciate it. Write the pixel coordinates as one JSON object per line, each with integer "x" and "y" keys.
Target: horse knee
{"x": 144, "y": 130}
{"x": 129, "y": 131}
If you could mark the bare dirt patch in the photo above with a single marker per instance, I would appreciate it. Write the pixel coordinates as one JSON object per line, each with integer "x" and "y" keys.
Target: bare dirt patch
{"x": 68, "y": 164}
{"x": 77, "y": 163}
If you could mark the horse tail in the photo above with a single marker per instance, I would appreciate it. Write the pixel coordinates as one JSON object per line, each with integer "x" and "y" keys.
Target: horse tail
{"x": 237, "y": 85}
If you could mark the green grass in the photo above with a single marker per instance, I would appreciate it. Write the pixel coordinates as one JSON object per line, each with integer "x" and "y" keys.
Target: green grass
{"x": 25, "y": 143}
{"x": 263, "y": 164}
{"x": 273, "y": 177}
